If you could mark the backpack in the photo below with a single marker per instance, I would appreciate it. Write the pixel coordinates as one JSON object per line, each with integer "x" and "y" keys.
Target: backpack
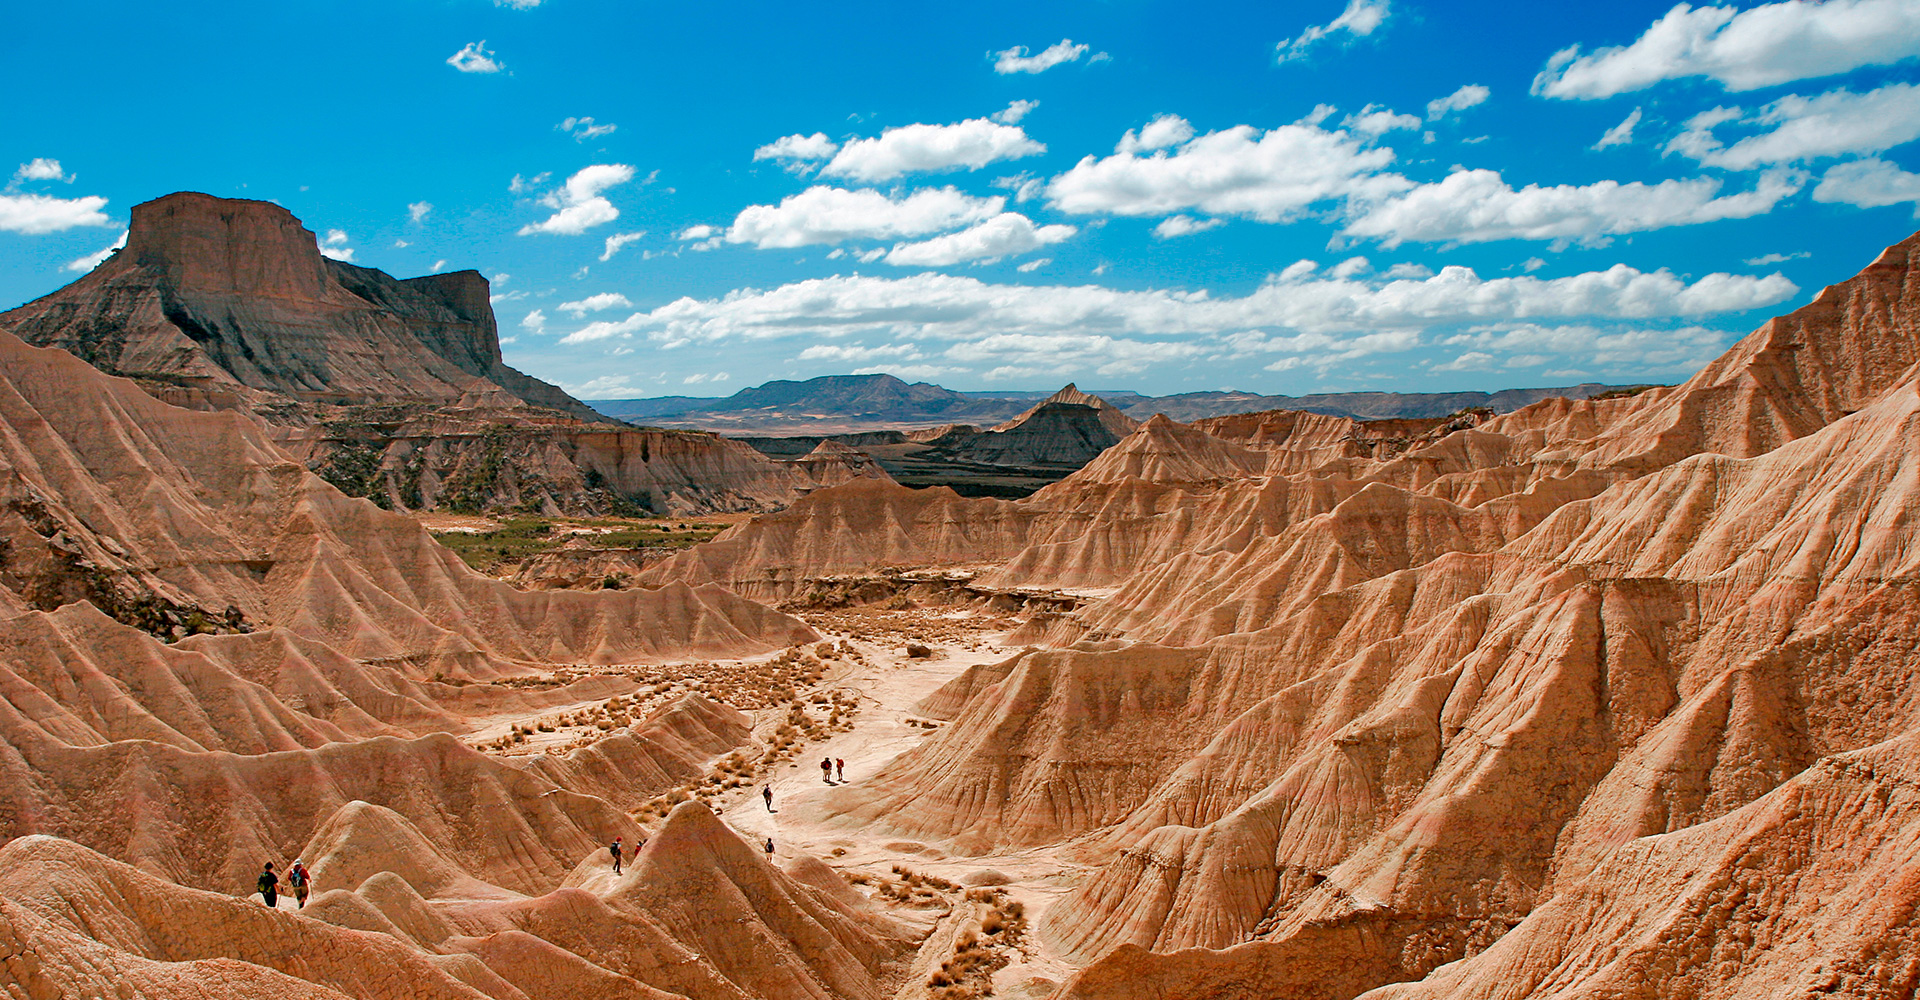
{"x": 266, "y": 882}
{"x": 297, "y": 877}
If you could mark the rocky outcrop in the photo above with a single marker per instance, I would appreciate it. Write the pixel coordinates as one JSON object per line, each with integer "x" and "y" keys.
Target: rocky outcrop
{"x": 393, "y": 390}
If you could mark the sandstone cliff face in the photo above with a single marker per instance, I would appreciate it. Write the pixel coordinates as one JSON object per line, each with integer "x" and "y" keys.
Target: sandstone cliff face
{"x": 392, "y": 389}
{"x": 1368, "y": 702}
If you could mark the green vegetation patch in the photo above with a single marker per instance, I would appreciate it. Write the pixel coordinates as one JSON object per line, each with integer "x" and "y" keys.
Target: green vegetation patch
{"x": 518, "y": 539}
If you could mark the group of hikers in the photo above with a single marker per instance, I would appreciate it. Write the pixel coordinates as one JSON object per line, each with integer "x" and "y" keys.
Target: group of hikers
{"x": 298, "y": 877}
{"x": 301, "y": 880}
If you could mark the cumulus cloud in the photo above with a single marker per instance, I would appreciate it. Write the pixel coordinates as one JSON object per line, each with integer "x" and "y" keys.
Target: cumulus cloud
{"x": 1868, "y": 183}
{"x": 855, "y": 353}
{"x": 578, "y": 204}
{"x": 534, "y": 321}
{"x": 1271, "y": 176}
{"x": 798, "y": 152}
{"x": 1476, "y": 206}
{"x": 93, "y": 260}
{"x": 1360, "y": 19}
{"x": 1470, "y": 95}
{"x": 334, "y": 245}
{"x": 1620, "y": 134}
{"x": 475, "y": 58}
{"x": 1775, "y": 258}
{"x": 1837, "y": 123}
{"x": 1184, "y": 225}
{"x": 35, "y": 214}
{"x": 1016, "y": 60}
{"x": 1632, "y": 348}
{"x": 1374, "y": 120}
{"x": 1008, "y": 234}
{"x": 41, "y": 169}
{"x": 418, "y": 211}
{"x": 595, "y": 303}
{"x": 583, "y": 129}
{"x": 823, "y": 214}
{"x": 1762, "y": 46}
{"x": 1328, "y": 310}
{"x": 1012, "y": 113}
{"x": 972, "y": 144}
{"x": 618, "y": 240}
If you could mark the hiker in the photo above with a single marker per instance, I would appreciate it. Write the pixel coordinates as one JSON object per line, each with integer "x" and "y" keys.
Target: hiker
{"x": 840, "y": 765}
{"x": 826, "y": 770}
{"x": 614, "y": 849}
{"x": 766, "y": 792}
{"x": 269, "y": 885}
{"x": 769, "y": 848}
{"x": 301, "y": 880}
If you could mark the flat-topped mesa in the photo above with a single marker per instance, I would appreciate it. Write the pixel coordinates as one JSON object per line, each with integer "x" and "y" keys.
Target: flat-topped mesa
{"x": 227, "y": 294}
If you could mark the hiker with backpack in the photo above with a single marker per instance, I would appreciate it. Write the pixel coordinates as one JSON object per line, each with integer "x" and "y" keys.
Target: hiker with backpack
{"x": 269, "y": 885}
{"x": 615, "y": 849}
{"x": 301, "y": 880}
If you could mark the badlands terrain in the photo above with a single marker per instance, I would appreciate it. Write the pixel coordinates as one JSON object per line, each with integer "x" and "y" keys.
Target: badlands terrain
{"x": 1597, "y": 698}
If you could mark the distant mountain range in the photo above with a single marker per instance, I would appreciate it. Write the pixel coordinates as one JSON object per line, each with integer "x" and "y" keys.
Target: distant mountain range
{"x": 848, "y": 403}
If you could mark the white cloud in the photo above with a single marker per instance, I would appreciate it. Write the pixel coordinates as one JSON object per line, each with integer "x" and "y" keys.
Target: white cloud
{"x": 699, "y": 377}
{"x": 1837, "y": 123}
{"x": 907, "y": 371}
{"x": 1184, "y": 225}
{"x": 418, "y": 211}
{"x": 1375, "y": 121}
{"x": 1351, "y": 267}
{"x": 1475, "y": 206}
{"x": 1034, "y": 265}
{"x": 596, "y": 303}
{"x": 858, "y": 352}
{"x": 1868, "y": 183}
{"x": 1271, "y": 176}
{"x": 1410, "y": 270}
{"x": 1762, "y": 46}
{"x": 334, "y": 245}
{"x": 517, "y": 4}
{"x": 972, "y": 144}
{"x": 35, "y": 214}
{"x": 1620, "y": 134}
{"x": 1471, "y": 361}
{"x": 475, "y": 58}
{"x": 578, "y": 204}
{"x": 41, "y": 169}
{"x": 1358, "y": 20}
{"x": 1532, "y": 264}
{"x": 1012, "y": 114}
{"x": 535, "y": 321}
{"x": 823, "y": 214}
{"x": 1161, "y": 133}
{"x": 1631, "y": 347}
{"x": 1016, "y": 60}
{"x": 933, "y": 305}
{"x": 618, "y": 240}
{"x": 583, "y": 129}
{"x": 1008, "y": 234}
{"x": 1466, "y": 97}
{"x": 1781, "y": 258}
{"x": 93, "y": 260}
{"x": 798, "y": 150}
{"x": 521, "y": 185}
{"x": 699, "y": 232}
{"x": 1025, "y": 187}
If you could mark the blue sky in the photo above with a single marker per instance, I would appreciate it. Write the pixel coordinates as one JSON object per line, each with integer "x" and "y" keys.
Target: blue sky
{"x": 1280, "y": 197}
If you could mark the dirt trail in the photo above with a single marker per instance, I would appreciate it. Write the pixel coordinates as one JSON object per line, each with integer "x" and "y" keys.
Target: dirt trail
{"x": 890, "y": 683}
